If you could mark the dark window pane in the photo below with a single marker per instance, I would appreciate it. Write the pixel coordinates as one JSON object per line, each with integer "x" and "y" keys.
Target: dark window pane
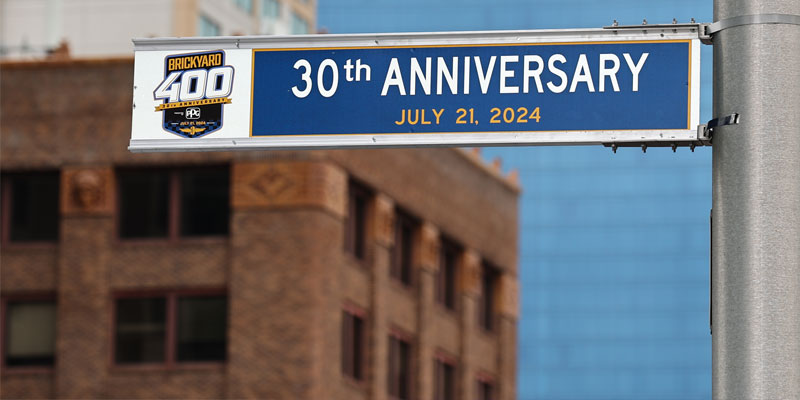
{"x": 360, "y": 228}
{"x": 355, "y": 234}
{"x": 357, "y": 348}
{"x": 403, "y": 249}
{"x": 449, "y": 382}
{"x": 141, "y": 330}
{"x": 30, "y": 333}
{"x": 405, "y": 371}
{"x": 202, "y": 327}
{"x": 399, "y": 368}
{"x": 204, "y": 202}
{"x": 394, "y": 362}
{"x": 450, "y": 280}
{"x": 488, "y": 283}
{"x": 407, "y": 236}
{"x": 446, "y": 285}
{"x": 144, "y": 204}
{"x": 34, "y": 207}
{"x": 445, "y": 381}
{"x": 438, "y": 377}
{"x": 347, "y": 334}
{"x": 352, "y": 345}
{"x": 485, "y": 391}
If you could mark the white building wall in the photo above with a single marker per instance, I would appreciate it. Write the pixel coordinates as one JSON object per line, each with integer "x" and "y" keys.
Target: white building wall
{"x": 91, "y": 27}
{"x": 231, "y": 19}
{"x": 94, "y": 28}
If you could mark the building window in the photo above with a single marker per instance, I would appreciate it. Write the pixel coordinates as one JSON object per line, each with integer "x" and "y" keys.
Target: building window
{"x": 141, "y": 330}
{"x": 446, "y": 278}
{"x": 270, "y": 9}
{"x": 29, "y": 331}
{"x": 403, "y": 251}
{"x": 399, "y": 379}
{"x": 144, "y": 202}
{"x": 356, "y": 224}
{"x": 204, "y": 202}
{"x": 299, "y": 25}
{"x": 207, "y": 27}
{"x": 245, "y": 5}
{"x": 353, "y": 345}
{"x": 485, "y": 389}
{"x": 201, "y": 328}
{"x": 170, "y": 327}
{"x": 444, "y": 379}
{"x": 489, "y": 277}
{"x": 30, "y": 206}
{"x": 161, "y": 203}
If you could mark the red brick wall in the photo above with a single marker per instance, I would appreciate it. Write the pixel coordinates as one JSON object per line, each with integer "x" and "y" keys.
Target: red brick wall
{"x": 283, "y": 263}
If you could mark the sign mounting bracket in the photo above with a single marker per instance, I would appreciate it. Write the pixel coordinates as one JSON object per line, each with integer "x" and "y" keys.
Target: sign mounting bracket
{"x": 703, "y": 29}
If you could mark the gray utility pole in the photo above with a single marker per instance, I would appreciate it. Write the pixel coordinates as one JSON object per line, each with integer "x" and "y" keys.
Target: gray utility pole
{"x": 756, "y": 200}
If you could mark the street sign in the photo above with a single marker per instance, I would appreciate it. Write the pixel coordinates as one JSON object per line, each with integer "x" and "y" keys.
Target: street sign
{"x": 589, "y": 86}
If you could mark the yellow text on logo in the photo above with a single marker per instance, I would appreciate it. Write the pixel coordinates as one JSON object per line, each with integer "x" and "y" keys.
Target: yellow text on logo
{"x": 194, "y": 61}
{"x": 204, "y": 102}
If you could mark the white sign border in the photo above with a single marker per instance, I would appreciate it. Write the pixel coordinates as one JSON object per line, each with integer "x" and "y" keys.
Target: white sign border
{"x": 219, "y": 143}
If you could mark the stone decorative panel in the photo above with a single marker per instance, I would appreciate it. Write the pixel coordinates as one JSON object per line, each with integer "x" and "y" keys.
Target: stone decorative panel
{"x": 282, "y": 184}
{"x": 87, "y": 191}
{"x": 427, "y": 255}
{"x": 509, "y": 295}
{"x": 383, "y": 220}
{"x": 470, "y": 272}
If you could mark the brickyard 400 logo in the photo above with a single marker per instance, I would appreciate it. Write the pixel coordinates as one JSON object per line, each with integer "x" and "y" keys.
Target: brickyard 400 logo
{"x": 194, "y": 90}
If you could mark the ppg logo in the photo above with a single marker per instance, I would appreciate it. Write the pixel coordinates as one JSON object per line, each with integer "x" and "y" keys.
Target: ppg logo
{"x": 192, "y": 113}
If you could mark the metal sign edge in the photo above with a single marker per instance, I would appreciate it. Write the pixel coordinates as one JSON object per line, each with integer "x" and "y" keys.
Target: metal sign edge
{"x": 469, "y": 139}
{"x": 416, "y": 38}
{"x": 571, "y": 138}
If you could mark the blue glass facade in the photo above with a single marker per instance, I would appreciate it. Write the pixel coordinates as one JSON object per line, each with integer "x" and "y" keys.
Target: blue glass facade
{"x": 614, "y": 247}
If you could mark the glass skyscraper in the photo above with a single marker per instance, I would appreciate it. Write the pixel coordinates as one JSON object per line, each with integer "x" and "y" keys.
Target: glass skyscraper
{"x": 614, "y": 263}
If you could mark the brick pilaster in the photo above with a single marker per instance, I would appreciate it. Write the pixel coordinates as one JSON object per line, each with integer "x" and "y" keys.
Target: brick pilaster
{"x": 286, "y": 237}
{"x": 508, "y": 313}
{"x": 381, "y": 241}
{"x": 470, "y": 292}
{"x": 87, "y": 229}
{"x": 427, "y": 265}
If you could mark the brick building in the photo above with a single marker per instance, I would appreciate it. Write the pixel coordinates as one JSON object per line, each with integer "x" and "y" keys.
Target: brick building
{"x": 360, "y": 274}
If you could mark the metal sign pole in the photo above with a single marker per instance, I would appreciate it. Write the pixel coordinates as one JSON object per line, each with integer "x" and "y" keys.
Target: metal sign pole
{"x": 756, "y": 200}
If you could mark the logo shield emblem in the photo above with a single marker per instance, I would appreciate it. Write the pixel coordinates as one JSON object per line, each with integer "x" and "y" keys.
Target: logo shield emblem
{"x": 194, "y": 91}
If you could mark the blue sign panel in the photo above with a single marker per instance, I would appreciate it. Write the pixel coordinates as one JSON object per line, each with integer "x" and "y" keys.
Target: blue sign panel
{"x": 543, "y": 87}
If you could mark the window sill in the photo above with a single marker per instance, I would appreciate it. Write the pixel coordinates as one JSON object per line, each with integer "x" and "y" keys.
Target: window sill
{"x": 355, "y": 383}
{"x": 48, "y": 245}
{"x": 401, "y": 286}
{"x": 162, "y": 367}
{"x": 442, "y": 312}
{"x": 38, "y": 370}
{"x": 168, "y": 242}
{"x": 445, "y": 310}
{"x": 351, "y": 259}
{"x": 486, "y": 333}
